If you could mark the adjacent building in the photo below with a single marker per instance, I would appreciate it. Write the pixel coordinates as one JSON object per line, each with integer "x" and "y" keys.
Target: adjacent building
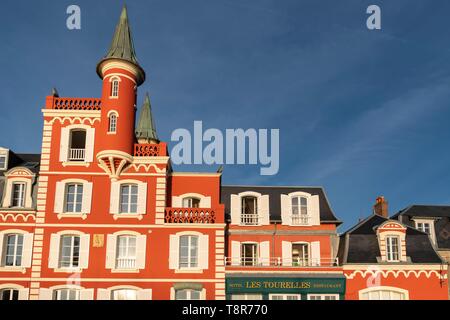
{"x": 384, "y": 259}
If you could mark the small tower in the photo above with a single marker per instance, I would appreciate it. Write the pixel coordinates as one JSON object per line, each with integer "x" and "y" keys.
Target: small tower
{"x": 121, "y": 75}
{"x": 146, "y": 130}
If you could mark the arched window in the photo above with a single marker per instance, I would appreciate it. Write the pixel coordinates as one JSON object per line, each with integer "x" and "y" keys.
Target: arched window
{"x": 126, "y": 253}
{"x": 383, "y": 293}
{"x": 299, "y": 207}
{"x": 124, "y": 294}
{"x": 191, "y": 202}
{"x": 77, "y": 149}
{"x": 249, "y": 214}
{"x": 9, "y": 294}
{"x": 112, "y": 123}
{"x": 188, "y": 251}
{"x": 115, "y": 88}
{"x": 66, "y": 294}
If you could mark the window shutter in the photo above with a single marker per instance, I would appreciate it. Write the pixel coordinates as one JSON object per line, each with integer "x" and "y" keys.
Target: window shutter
{"x": 315, "y": 253}
{"x": 64, "y": 144}
{"x": 145, "y": 294}
{"x": 203, "y": 253}
{"x": 286, "y": 212}
{"x": 84, "y": 251}
{"x": 2, "y": 262}
{"x": 114, "y": 199}
{"x": 177, "y": 202}
{"x": 174, "y": 251}
{"x": 205, "y": 202}
{"x": 23, "y": 293}
{"x": 286, "y": 253}
{"x": 315, "y": 210}
{"x": 87, "y": 198}
{"x": 264, "y": 253}
{"x": 141, "y": 242}
{"x": 53, "y": 258}
{"x": 87, "y": 294}
{"x": 103, "y": 294}
{"x": 27, "y": 250}
{"x": 235, "y": 209}
{"x": 111, "y": 244}
{"x": 45, "y": 294}
{"x": 235, "y": 253}
{"x": 59, "y": 197}
{"x": 142, "y": 198}
{"x": 263, "y": 209}
{"x": 90, "y": 137}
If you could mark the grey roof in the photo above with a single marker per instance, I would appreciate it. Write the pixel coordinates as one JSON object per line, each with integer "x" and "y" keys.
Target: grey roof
{"x": 146, "y": 126}
{"x": 122, "y": 46}
{"x": 360, "y": 244}
{"x": 275, "y": 192}
{"x": 28, "y": 160}
{"x": 440, "y": 213}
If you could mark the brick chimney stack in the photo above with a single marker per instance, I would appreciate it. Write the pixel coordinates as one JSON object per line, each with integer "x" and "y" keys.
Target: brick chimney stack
{"x": 381, "y": 207}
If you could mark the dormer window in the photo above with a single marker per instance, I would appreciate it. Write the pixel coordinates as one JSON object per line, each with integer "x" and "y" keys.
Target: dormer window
{"x": 18, "y": 195}
{"x": 112, "y": 123}
{"x": 77, "y": 149}
{"x": 2, "y": 162}
{"x": 191, "y": 202}
{"x": 299, "y": 207}
{"x": 115, "y": 88}
{"x": 392, "y": 249}
{"x": 249, "y": 213}
{"x": 427, "y": 226}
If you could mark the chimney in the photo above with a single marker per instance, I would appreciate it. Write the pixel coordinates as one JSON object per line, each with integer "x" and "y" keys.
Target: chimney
{"x": 381, "y": 207}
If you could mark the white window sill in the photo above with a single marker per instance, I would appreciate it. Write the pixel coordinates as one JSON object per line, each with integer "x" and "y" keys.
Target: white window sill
{"x": 68, "y": 270}
{"x": 111, "y": 133}
{"x": 76, "y": 164}
{"x": 72, "y": 215}
{"x": 13, "y": 269}
{"x": 189, "y": 270}
{"x": 114, "y": 97}
{"x": 125, "y": 270}
{"x": 128, "y": 215}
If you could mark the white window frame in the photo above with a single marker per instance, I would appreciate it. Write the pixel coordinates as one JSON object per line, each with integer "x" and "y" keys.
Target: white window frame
{"x": 247, "y": 296}
{"x": 76, "y": 194}
{"x": 115, "y": 199}
{"x": 15, "y": 254}
{"x": 389, "y": 246}
{"x": 27, "y": 249}
{"x": 72, "y": 251}
{"x": 108, "y": 293}
{"x": 58, "y": 293}
{"x": 323, "y": 296}
{"x": 189, "y": 293}
{"x": 115, "y": 87}
{"x": 65, "y": 144}
{"x": 129, "y": 203}
{"x": 23, "y": 292}
{"x": 284, "y": 296}
{"x": 4, "y": 153}
{"x": 60, "y": 199}
{"x": 308, "y": 259}
{"x": 21, "y": 194}
{"x": 256, "y": 245}
{"x": 113, "y": 118}
{"x": 192, "y": 261}
{"x": 82, "y": 293}
{"x": 55, "y": 254}
{"x": 112, "y": 245}
{"x": 263, "y": 215}
{"x": 131, "y": 264}
{"x": 178, "y": 201}
{"x": 188, "y": 202}
{"x": 203, "y": 252}
{"x": 430, "y": 222}
{"x": 380, "y": 289}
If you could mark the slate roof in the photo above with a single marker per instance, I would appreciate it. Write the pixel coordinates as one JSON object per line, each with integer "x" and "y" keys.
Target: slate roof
{"x": 146, "y": 126}
{"x": 275, "y": 192}
{"x": 359, "y": 244}
{"x": 440, "y": 213}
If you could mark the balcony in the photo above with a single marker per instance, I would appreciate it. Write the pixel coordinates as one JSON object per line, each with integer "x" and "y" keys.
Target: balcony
{"x": 249, "y": 219}
{"x": 190, "y": 215}
{"x": 300, "y": 220}
{"x": 85, "y": 104}
{"x": 77, "y": 154}
{"x": 150, "y": 150}
{"x": 277, "y": 262}
{"x": 126, "y": 263}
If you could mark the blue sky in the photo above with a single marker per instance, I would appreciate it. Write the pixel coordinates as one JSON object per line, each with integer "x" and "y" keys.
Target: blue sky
{"x": 361, "y": 113}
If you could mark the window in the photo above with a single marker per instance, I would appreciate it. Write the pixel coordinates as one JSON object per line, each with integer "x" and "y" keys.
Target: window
{"x": 249, "y": 214}
{"x": 13, "y": 250}
{"x": 128, "y": 198}
{"x": 18, "y": 195}
{"x": 188, "y": 252}
{"x": 284, "y": 297}
{"x": 112, "y": 126}
{"x": 392, "y": 249}
{"x": 2, "y": 162}
{"x": 77, "y": 149}
{"x": 383, "y": 293}
{"x": 323, "y": 297}
{"x": 126, "y": 253}
{"x": 299, "y": 207}
{"x": 124, "y": 294}
{"x": 74, "y": 198}
{"x": 191, "y": 203}
{"x": 300, "y": 254}
{"x": 424, "y": 227}
{"x": 249, "y": 254}
{"x": 66, "y": 294}
{"x": 115, "y": 88}
{"x": 70, "y": 252}
{"x": 246, "y": 296}
{"x": 187, "y": 294}
{"x": 9, "y": 294}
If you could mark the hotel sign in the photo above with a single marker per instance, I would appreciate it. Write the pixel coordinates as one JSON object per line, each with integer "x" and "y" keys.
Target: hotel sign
{"x": 286, "y": 285}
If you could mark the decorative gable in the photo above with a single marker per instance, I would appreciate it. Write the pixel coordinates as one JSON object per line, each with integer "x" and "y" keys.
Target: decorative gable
{"x": 392, "y": 241}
